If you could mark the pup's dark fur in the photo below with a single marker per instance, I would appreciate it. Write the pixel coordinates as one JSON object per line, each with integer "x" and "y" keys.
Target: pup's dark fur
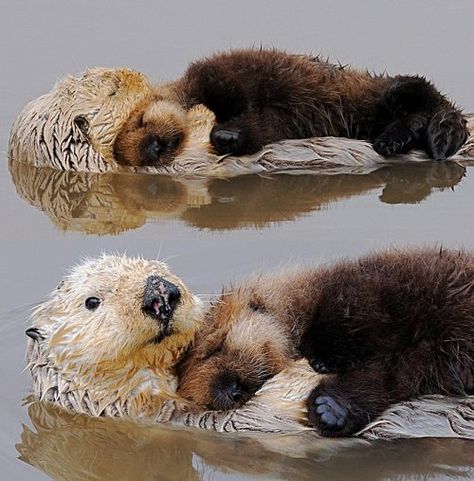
{"x": 386, "y": 328}
{"x": 262, "y": 96}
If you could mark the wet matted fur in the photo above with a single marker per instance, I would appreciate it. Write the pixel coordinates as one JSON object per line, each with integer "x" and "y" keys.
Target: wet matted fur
{"x": 73, "y": 351}
{"x": 75, "y": 125}
{"x": 260, "y": 96}
{"x": 94, "y": 346}
{"x": 384, "y": 328}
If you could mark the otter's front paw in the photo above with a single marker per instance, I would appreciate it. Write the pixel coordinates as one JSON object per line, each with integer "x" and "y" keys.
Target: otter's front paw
{"x": 331, "y": 414}
{"x": 320, "y": 366}
{"x": 226, "y": 141}
{"x": 330, "y": 366}
{"x": 395, "y": 139}
{"x": 232, "y": 139}
{"x": 446, "y": 134}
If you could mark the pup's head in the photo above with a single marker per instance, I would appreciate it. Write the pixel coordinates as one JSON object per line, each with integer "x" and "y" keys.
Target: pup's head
{"x": 112, "y": 317}
{"x": 242, "y": 344}
{"x": 153, "y": 135}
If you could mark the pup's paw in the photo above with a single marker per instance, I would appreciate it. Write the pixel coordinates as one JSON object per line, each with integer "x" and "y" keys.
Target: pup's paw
{"x": 330, "y": 366}
{"x": 226, "y": 141}
{"x": 395, "y": 139}
{"x": 233, "y": 138}
{"x": 331, "y": 414}
{"x": 320, "y": 366}
{"x": 328, "y": 415}
{"x": 446, "y": 134}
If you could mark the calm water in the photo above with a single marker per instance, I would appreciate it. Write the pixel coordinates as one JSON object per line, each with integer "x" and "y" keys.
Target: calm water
{"x": 218, "y": 231}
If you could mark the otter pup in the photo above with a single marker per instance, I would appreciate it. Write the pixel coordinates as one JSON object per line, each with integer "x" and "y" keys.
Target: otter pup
{"x": 263, "y": 96}
{"x": 385, "y": 328}
{"x": 155, "y": 131}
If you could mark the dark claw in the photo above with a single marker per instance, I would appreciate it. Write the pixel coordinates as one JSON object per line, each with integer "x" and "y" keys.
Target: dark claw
{"x": 446, "y": 134}
{"x": 333, "y": 365}
{"x": 387, "y": 149}
{"x": 319, "y": 366}
{"x": 386, "y": 146}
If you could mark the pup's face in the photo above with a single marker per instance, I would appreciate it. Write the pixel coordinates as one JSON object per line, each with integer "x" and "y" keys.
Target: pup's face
{"x": 240, "y": 346}
{"x": 114, "y": 311}
{"x": 153, "y": 135}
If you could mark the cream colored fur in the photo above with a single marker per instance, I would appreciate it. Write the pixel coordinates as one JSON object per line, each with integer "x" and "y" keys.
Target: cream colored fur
{"x": 100, "y": 363}
{"x": 103, "y": 361}
{"x": 44, "y": 134}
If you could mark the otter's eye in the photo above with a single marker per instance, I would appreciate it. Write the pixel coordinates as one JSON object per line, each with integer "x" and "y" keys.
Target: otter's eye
{"x": 174, "y": 142}
{"x": 92, "y": 303}
{"x": 256, "y": 306}
{"x": 82, "y": 123}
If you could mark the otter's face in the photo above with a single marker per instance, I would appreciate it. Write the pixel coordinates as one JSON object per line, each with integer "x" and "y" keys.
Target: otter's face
{"x": 75, "y": 125}
{"x": 153, "y": 135}
{"x": 241, "y": 346}
{"x": 114, "y": 310}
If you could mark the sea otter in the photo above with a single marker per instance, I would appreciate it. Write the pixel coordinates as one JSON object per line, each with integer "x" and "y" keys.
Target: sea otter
{"x": 74, "y": 127}
{"x": 261, "y": 96}
{"x": 384, "y": 328}
{"x": 107, "y": 341}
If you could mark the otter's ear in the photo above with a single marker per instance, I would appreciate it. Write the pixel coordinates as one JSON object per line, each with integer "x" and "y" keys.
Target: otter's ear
{"x": 34, "y": 333}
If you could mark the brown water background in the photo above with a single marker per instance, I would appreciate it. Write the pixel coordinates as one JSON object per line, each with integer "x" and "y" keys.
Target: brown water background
{"x": 218, "y": 232}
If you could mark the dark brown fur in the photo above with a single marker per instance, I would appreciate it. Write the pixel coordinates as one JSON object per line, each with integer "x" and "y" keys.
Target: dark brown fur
{"x": 385, "y": 328}
{"x": 263, "y": 96}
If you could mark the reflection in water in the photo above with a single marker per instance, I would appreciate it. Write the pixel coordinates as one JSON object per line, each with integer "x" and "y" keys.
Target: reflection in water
{"x": 111, "y": 203}
{"x": 77, "y": 447}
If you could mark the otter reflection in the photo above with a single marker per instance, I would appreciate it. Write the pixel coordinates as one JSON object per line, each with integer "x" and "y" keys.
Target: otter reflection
{"x": 111, "y": 203}
{"x": 72, "y": 447}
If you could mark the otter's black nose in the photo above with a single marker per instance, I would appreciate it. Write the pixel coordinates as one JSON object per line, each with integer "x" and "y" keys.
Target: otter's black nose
{"x": 229, "y": 392}
{"x": 153, "y": 148}
{"x": 160, "y": 299}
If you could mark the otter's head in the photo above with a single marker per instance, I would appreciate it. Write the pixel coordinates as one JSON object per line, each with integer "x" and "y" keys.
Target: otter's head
{"x": 154, "y": 134}
{"x": 74, "y": 126}
{"x": 114, "y": 324}
{"x": 242, "y": 344}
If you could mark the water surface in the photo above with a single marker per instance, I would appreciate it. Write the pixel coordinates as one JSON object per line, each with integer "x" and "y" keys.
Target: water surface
{"x": 217, "y": 231}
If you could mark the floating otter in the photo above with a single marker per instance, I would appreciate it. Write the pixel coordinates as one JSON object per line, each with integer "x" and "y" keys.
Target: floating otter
{"x": 264, "y": 96}
{"x": 107, "y": 340}
{"x": 75, "y": 127}
{"x": 386, "y": 328}
{"x": 105, "y": 344}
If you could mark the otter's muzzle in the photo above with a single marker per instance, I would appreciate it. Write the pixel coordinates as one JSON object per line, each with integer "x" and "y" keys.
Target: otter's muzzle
{"x": 159, "y": 301}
